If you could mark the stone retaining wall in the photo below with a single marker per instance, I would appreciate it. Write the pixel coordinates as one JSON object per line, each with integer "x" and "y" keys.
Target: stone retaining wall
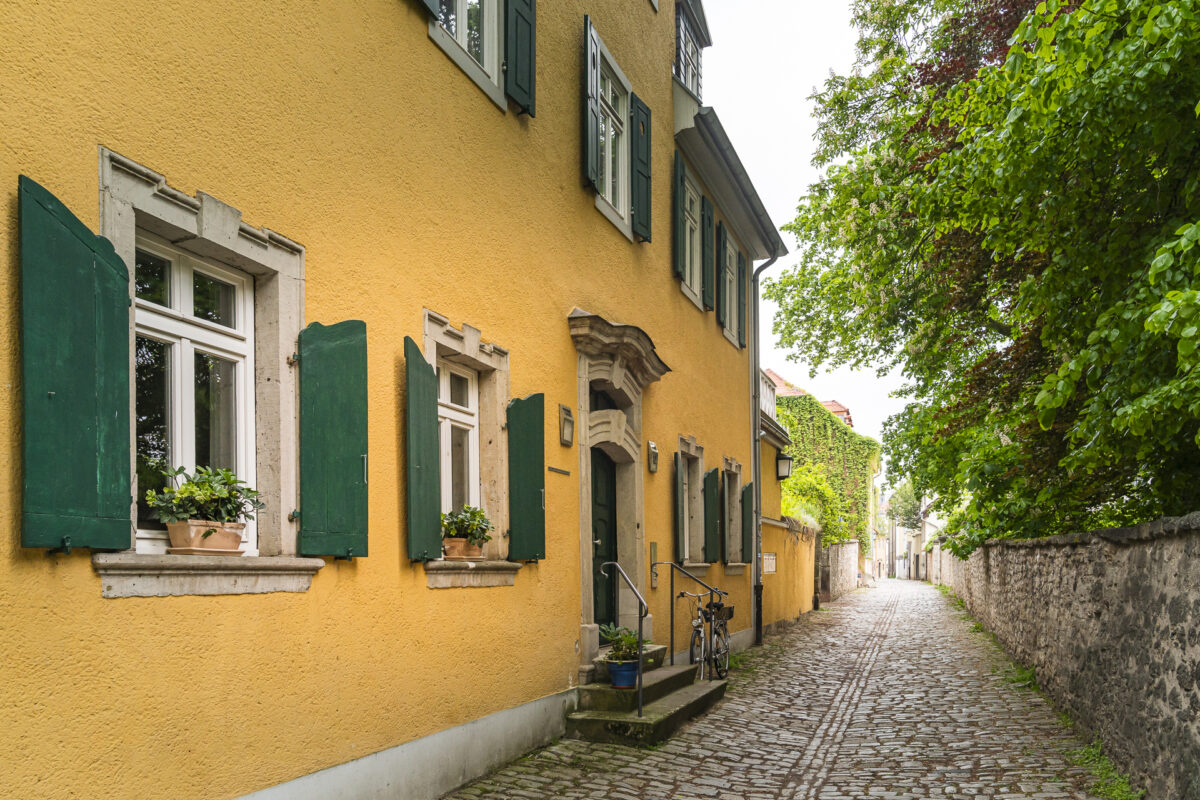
{"x": 1110, "y": 620}
{"x": 839, "y": 562}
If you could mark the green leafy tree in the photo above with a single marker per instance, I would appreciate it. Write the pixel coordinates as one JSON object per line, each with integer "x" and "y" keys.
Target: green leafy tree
{"x": 1009, "y": 215}
{"x": 904, "y": 507}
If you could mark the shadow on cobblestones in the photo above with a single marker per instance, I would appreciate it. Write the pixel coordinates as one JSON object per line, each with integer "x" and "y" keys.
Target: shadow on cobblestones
{"x": 888, "y": 694}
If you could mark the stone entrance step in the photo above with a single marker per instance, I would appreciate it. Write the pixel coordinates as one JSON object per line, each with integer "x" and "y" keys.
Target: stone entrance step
{"x": 660, "y": 719}
{"x": 656, "y": 684}
{"x": 652, "y": 658}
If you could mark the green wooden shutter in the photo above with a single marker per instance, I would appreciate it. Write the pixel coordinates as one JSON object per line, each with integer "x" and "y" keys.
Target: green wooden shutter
{"x": 591, "y": 106}
{"x": 77, "y": 489}
{"x": 680, "y": 510}
{"x": 678, "y": 222}
{"x": 435, "y": 7}
{"x": 527, "y": 478}
{"x": 706, "y": 252}
{"x": 333, "y": 440}
{"x": 423, "y": 456}
{"x": 712, "y": 529}
{"x": 520, "y": 53}
{"x": 748, "y": 523}
{"x": 639, "y": 168}
{"x": 741, "y": 299}
{"x": 719, "y": 284}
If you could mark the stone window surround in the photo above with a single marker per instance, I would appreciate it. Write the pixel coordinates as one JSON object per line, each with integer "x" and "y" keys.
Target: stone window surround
{"x": 691, "y": 451}
{"x": 733, "y": 512}
{"x": 134, "y": 197}
{"x": 466, "y": 346}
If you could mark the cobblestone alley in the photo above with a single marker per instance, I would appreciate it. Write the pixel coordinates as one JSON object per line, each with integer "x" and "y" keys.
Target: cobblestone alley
{"x": 886, "y": 693}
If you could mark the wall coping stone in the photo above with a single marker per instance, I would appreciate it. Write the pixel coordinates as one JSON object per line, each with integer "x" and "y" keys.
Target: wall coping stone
{"x": 1165, "y": 528}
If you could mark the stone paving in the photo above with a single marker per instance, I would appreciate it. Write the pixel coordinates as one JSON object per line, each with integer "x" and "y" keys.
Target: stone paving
{"x": 886, "y": 693}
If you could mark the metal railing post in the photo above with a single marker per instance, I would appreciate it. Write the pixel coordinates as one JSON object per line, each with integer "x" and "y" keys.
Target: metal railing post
{"x": 643, "y": 610}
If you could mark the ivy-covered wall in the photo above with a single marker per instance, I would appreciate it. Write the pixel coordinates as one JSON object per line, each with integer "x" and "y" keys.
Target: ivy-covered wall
{"x": 847, "y": 459}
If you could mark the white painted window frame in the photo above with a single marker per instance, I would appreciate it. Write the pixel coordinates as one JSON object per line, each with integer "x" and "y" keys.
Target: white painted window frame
{"x": 617, "y": 209}
{"x": 452, "y": 416}
{"x": 688, "y": 56}
{"x": 464, "y": 348}
{"x": 731, "y": 485}
{"x": 692, "y": 461}
{"x": 692, "y": 281}
{"x": 730, "y": 286}
{"x": 185, "y": 335}
{"x": 487, "y": 75}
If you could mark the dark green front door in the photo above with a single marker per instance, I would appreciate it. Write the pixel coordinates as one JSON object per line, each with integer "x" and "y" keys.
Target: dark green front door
{"x": 604, "y": 536}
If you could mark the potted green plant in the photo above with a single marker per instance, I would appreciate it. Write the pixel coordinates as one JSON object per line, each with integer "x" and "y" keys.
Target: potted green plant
{"x": 205, "y": 512}
{"x": 464, "y": 533}
{"x": 623, "y": 655}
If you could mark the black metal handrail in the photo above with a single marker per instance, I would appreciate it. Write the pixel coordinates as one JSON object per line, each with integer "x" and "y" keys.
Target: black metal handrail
{"x": 643, "y": 611}
{"x": 712, "y": 590}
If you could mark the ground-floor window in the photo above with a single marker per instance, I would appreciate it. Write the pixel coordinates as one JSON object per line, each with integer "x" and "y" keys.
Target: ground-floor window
{"x": 194, "y": 370}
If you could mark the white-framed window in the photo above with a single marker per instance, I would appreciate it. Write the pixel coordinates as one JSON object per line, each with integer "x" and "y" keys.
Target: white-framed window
{"x": 458, "y": 434}
{"x": 194, "y": 373}
{"x": 469, "y": 33}
{"x": 614, "y": 143}
{"x": 691, "y": 242}
{"x": 687, "y": 54}
{"x": 729, "y": 294}
{"x": 732, "y": 486}
{"x": 474, "y": 26}
{"x": 692, "y": 462}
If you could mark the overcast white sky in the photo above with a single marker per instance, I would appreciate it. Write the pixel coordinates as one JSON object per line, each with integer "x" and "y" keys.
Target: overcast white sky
{"x": 766, "y": 58}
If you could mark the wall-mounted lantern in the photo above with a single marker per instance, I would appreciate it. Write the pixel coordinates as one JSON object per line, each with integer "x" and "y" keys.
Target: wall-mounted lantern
{"x": 783, "y": 466}
{"x": 652, "y": 456}
{"x": 566, "y": 426}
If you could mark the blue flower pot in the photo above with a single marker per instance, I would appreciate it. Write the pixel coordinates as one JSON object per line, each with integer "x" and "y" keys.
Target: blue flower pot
{"x": 623, "y": 674}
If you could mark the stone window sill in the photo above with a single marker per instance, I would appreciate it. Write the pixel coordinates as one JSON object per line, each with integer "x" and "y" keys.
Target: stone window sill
{"x": 452, "y": 574}
{"x": 696, "y": 567}
{"x": 143, "y": 575}
{"x": 736, "y": 568}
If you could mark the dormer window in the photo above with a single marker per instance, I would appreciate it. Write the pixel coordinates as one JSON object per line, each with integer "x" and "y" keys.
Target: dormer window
{"x": 687, "y": 53}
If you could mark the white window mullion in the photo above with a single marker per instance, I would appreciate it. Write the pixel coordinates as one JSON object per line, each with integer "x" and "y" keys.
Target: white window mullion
{"x": 184, "y": 395}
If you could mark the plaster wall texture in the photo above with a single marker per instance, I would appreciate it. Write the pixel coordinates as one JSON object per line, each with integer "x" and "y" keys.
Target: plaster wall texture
{"x": 341, "y": 125}
{"x": 1110, "y": 621}
{"x": 841, "y": 563}
{"x": 789, "y": 592}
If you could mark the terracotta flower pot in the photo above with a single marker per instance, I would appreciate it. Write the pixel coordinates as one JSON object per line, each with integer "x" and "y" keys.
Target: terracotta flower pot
{"x": 457, "y": 549}
{"x": 224, "y": 538}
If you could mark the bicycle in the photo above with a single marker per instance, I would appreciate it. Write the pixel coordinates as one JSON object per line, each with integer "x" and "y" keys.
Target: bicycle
{"x": 710, "y": 652}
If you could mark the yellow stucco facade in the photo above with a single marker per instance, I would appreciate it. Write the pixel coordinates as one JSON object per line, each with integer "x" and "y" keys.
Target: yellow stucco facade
{"x": 342, "y": 126}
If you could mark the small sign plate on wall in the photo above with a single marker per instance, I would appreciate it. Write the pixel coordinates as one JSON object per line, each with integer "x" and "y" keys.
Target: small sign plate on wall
{"x": 768, "y": 563}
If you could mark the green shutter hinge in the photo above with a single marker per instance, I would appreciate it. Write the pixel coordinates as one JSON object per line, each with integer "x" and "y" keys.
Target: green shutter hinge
{"x": 293, "y": 359}
{"x": 295, "y": 515}
{"x": 348, "y": 557}
{"x": 65, "y": 549}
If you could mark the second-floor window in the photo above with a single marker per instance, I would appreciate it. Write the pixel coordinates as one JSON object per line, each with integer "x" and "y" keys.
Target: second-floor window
{"x": 614, "y": 102}
{"x": 473, "y": 24}
{"x": 691, "y": 241}
{"x": 729, "y": 295}
{"x": 687, "y": 54}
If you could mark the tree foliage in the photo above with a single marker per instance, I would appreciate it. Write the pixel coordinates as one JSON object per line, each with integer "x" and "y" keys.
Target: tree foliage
{"x": 833, "y": 469}
{"x": 1009, "y": 214}
{"x": 904, "y": 507}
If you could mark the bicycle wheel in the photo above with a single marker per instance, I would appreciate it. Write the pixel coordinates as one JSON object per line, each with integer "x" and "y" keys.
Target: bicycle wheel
{"x": 720, "y": 650}
{"x": 696, "y": 650}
